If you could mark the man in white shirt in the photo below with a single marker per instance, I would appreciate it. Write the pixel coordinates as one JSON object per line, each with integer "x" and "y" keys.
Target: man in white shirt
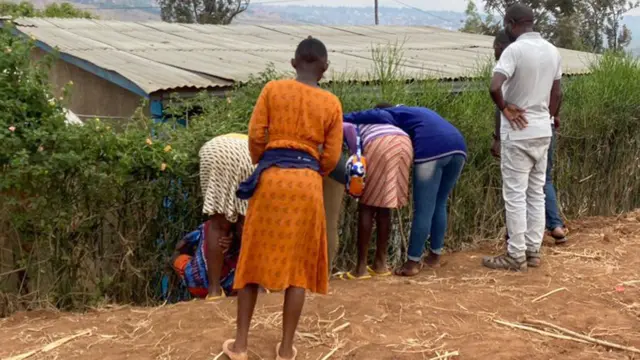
{"x": 526, "y": 88}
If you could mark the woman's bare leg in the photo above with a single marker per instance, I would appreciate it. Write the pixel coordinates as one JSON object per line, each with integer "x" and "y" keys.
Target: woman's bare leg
{"x": 217, "y": 227}
{"x": 365, "y": 228}
{"x": 293, "y": 303}
{"x": 246, "y": 304}
{"x": 383, "y": 224}
{"x": 333, "y": 193}
{"x": 240, "y": 227}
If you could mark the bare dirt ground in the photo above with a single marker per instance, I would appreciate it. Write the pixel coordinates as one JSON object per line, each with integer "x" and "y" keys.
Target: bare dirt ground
{"x": 433, "y": 316}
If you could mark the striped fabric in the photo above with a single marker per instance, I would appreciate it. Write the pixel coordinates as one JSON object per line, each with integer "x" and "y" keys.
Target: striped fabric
{"x": 372, "y": 132}
{"x": 368, "y": 133}
{"x": 195, "y": 273}
{"x": 224, "y": 164}
{"x": 389, "y": 161}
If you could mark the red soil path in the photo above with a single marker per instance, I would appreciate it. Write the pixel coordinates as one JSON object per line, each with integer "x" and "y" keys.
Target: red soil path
{"x": 447, "y": 310}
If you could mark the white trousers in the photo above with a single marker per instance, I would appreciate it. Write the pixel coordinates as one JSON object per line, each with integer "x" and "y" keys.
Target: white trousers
{"x": 524, "y": 164}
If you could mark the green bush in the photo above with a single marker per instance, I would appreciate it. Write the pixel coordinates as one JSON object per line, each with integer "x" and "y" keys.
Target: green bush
{"x": 82, "y": 209}
{"x": 54, "y": 10}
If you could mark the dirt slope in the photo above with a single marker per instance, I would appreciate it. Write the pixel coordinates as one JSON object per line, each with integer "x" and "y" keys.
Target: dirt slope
{"x": 447, "y": 310}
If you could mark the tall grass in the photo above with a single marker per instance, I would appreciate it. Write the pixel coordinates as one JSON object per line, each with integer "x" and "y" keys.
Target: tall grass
{"x": 96, "y": 220}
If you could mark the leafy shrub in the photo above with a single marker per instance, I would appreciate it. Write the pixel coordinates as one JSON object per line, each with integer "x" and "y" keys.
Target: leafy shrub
{"x": 55, "y": 10}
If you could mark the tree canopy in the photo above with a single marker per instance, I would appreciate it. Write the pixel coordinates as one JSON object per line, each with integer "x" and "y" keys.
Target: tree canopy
{"x": 476, "y": 24}
{"x": 587, "y": 25}
{"x": 55, "y": 10}
{"x": 202, "y": 11}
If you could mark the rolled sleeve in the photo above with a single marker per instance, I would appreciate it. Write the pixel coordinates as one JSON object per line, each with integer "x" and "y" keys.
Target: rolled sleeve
{"x": 332, "y": 147}
{"x": 350, "y": 137}
{"x": 559, "y": 70}
{"x": 508, "y": 62}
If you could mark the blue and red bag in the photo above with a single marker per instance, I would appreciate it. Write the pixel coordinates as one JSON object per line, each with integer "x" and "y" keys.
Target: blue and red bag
{"x": 356, "y": 171}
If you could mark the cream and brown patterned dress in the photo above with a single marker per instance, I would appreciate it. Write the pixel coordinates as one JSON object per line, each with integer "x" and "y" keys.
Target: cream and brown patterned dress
{"x": 224, "y": 164}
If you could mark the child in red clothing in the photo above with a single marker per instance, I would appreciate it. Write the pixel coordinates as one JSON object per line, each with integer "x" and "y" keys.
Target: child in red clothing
{"x": 191, "y": 263}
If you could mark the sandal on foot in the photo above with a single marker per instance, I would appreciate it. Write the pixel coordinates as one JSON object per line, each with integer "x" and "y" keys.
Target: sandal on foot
{"x": 226, "y": 349}
{"x": 278, "y": 357}
{"x": 533, "y": 258}
{"x": 559, "y": 240}
{"x": 505, "y": 262}
{"x": 350, "y": 276}
{"x": 215, "y": 298}
{"x": 408, "y": 273}
{"x": 375, "y": 273}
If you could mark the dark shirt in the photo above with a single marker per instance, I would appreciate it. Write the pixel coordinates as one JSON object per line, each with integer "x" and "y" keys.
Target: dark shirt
{"x": 339, "y": 174}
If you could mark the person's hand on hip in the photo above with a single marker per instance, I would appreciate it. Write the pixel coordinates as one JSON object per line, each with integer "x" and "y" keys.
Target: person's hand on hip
{"x": 515, "y": 115}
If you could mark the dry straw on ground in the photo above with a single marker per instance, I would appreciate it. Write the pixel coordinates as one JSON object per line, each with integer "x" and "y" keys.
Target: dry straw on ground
{"x": 564, "y": 334}
{"x": 50, "y": 346}
{"x": 548, "y": 294}
{"x": 576, "y": 335}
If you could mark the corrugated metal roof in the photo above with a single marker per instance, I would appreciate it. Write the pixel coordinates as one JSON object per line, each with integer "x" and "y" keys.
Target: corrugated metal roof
{"x": 160, "y": 56}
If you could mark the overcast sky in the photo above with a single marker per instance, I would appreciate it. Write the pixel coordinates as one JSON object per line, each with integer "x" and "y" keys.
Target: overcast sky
{"x": 451, "y": 5}
{"x": 454, "y": 5}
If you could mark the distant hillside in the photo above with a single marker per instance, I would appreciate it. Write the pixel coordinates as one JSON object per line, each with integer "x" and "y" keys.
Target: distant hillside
{"x": 146, "y": 10}
{"x": 388, "y": 16}
{"x": 320, "y": 15}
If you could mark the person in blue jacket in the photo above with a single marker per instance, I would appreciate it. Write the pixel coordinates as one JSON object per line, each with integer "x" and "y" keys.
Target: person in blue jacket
{"x": 440, "y": 153}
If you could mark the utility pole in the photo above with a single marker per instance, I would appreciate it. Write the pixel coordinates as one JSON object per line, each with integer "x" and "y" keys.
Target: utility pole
{"x": 375, "y": 6}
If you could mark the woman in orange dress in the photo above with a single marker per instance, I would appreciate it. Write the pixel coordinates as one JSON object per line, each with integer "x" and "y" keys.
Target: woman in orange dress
{"x": 295, "y": 137}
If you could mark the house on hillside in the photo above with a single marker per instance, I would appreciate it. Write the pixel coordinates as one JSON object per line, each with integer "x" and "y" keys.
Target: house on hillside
{"x": 116, "y": 65}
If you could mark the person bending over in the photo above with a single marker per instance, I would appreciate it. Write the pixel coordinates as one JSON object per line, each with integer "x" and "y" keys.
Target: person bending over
{"x": 389, "y": 154}
{"x": 440, "y": 153}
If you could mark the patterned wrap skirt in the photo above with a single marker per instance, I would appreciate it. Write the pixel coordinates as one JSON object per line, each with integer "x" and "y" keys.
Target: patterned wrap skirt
{"x": 224, "y": 164}
{"x": 284, "y": 241}
{"x": 389, "y": 160}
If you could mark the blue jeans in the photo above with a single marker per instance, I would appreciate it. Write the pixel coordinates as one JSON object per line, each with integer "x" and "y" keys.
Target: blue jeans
{"x": 433, "y": 181}
{"x": 552, "y": 215}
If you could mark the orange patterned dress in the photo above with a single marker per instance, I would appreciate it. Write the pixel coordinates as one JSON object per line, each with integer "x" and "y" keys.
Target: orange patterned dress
{"x": 284, "y": 238}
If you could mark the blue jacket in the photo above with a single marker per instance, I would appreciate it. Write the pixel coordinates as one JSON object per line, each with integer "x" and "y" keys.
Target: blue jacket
{"x": 432, "y": 136}
{"x": 282, "y": 158}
